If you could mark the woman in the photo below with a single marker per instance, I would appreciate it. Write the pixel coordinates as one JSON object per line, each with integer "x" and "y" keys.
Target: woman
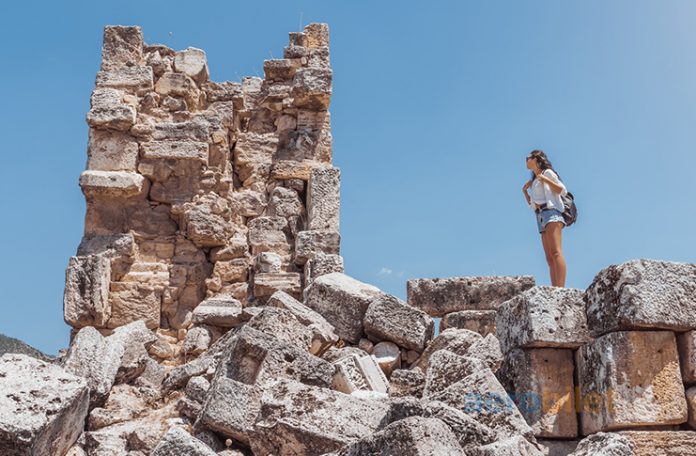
{"x": 546, "y": 202}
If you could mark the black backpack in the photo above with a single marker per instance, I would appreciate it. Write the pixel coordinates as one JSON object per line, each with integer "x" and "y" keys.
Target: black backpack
{"x": 570, "y": 211}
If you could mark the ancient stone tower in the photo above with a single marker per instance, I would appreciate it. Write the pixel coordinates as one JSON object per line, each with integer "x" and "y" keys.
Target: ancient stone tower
{"x": 199, "y": 190}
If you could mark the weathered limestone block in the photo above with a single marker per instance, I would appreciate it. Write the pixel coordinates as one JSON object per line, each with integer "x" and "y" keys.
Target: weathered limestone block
{"x": 235, "y": 422}
{"x": 267, "y": 283}
{"x": 300, "y": 419}
{"x": 342, "y": 301}
{"x": 605, "y": 443}
{"x": 223, "y": 311}
{"x": 447, "y": 368}
{"x": 178, "y": 442}
{"x": 540, "y": 382}
{"x": 253, "y": 154}
{"x": 175, "y": 150}
{"x": 135, "y": 338}
{"x": 285, "y": 202}
{"x": 86, "y": 295}
{"x": 686, "y": 344}
{"x": 667, "y": 443}
{"x": 311, "y": 88}
{"x": 406, "y": 382}
{"x": 269, "y": 234}
{"x": 125, "y": 403}
{"x": 115, "y": 184}
{"x": 197, "y": 340}
{"x": 543, "y": 317}
{"x": 97, "y": 359}
{"x": 438, "y": 297}
{"x": 295, "y": 169}
{"x": 283, "y": 325}
{"x": 333, "y": 354}
{"x": 465, "y": 343}
{"x": 630, "y": 379}
{"x": 108, "y": 110}
{"x": 280, "y": 69}
{"x": 267, "y": 262}
{"x": 204, "y": 227}
{"x": 136, "y": 79}
{"x": 111, "y": 151}
{"x": 179, "y": 84}
{"x": 480, "y": 321}
{"x": 321, "y": 264}
{"x": 512, "y": 446}
{"x": 323, "y": 199}
{"x": 470, "y": 433}
{"x": 193, "y": 63}
{"x": 388, "y": 356}
{"x": 642, "y": 294}
{"x": 309, "y": 243}
{"x": 355, "y": 373}
{"x": 122, "y": 46}
{"x": 414, "y": 436}
{"x": 42, "y": 407}
{"x": 323, "y": 334}
{"x": 482, "y": 397}
{"x": 389, "y": 318}
{"x": 248, "y": 203}
{"x": 180, "y": 375}
{"x": 131, "y": 301}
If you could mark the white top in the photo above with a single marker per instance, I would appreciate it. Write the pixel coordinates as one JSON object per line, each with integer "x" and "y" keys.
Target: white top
{"x": 542, "y": 193}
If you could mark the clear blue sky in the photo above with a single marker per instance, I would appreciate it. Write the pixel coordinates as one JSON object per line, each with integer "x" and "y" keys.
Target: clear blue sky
{"x": 435, "y": 107}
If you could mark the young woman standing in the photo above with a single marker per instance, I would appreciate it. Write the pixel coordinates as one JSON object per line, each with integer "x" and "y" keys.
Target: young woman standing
{"x": 546, "y": 202}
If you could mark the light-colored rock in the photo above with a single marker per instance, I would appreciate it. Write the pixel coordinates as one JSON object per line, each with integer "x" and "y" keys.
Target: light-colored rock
{"x": 197, "y": 340}
{"x": 267, "y": 283}
{"x": 309, "y": 243}
{"x": 125, "y": 402}
{"x": 111, "y": 151}
{"x": 122, "y": 45}
{"x": 321, "y": 264}
{"x": 642, "y": 294}
{"x": 630, "y": 379}
{"x": 108, "y": 110}
{"x": 267, "y": 262}
{"x": 323, "y": 199}
{"x": 269, "y": 234}
{"x": 366, "y": 345}
{"x": 300, "y": 419}
{"x": 447, "y": 368}
{"x": 285, "y": 202}
{"x": 540, "y": 382}
{"x": 283, "y": 325}
{"x": 389, "y": 318}
{"x": 221, "y": 311}
{"x": 115, "y": 184}
{"x": 86, "y": 295}
{"x": 132, "y": 301}
{"x": 438, "y": 297}
{"x": 543, "y": 317}
{"x": 178, "y": 442}
{"x": 480, "y": 321}
{"x": 356, "y": 373}
{"x": 465, "y": 343}
{"x": 42, "y": 407}
{"x": 513, "y": 446}
{"x": 193, "y": 63}
{"x": 605, "y": 444}
{"x": 406, "y": 382}
{"x": 135, "y": 79}
{"x": 175, "y": 150}
{"x": 414, "y": 436}
{"x": 667, "y": 443}
{"x": 342, "y": 301}
{"x": 388, "y": 356}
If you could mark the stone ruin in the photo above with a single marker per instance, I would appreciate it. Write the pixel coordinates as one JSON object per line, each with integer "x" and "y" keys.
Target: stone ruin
{"x": 211, "y": 313}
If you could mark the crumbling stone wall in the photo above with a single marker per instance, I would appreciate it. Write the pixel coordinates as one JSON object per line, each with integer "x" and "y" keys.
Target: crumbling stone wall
{"x": 198, "y": 189}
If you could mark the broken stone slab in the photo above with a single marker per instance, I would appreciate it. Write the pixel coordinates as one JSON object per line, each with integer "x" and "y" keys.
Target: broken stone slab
{"x": 480, "y": 321}
{"x": 630, "y": 379}
{"x": 136, "y": 338}
{"x": 406, "y": 382}
{"x": 465, "y": 343}
{"x": 193, "y": 63}
{"x": 114, "y": 184}
{"x": 179, "y": 376}
{"x": 135, "y": 79}
{"x": 280, "y": 69}
{"x": 389, "y": 318}
{"x": 267, "y": 283}
{"x": 234, "y": 422}
{"x": 197, "y": 340}
{"x": 311, "y": 88}
{"x": 109, "y": 111}
{"x": 254, "y": 154}
{"x": 543, "y": 317}
{"x": 513, "y": 446}
{"x": 438, "y": 297}
{"x": 283, "y": 325}
{"x": 605, "y": 443}
{"x": 481, "y": 396}
{"x": 298, "y": 419}
{"x": 321, "y": 264}
{"x": 42, "y": 407}
{"x": 356, "y": 373}
{"x": 540, "y": 382}
{"x": 667, "y": 443}
{"x": 269, "y": 234}
{"x": 86, "y": 294}
{"x": 642, "y": 294}
{"x": 333, "y": 354}
{"x": 122, "y": 46}
{"x": 388, "y": 356}
{"x": 125, "y": 403}
{"x": 132, "y": 301}
{"x": 686, "y": 344}
{"x": 294, "y": 169}
{"x": 178, "y": 442}
{"x": 285, "y": 202}
{"x": 447, "y": 368}
{"x": 323, "y": 199}
{"x": 175, "y": 150}
{"x": 342, "y": 301}
{"x": 267, "y": 262}
{"x": 223, "y": 311}
{"x": 414, "y": 436}
{"x": 309, "y": 243}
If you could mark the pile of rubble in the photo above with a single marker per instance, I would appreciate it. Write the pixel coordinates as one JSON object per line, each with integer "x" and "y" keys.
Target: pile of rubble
{"x": 211, "y": 313}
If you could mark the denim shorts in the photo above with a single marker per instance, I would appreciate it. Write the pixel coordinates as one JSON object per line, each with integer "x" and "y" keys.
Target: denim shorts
{"x": 548, "y": 215}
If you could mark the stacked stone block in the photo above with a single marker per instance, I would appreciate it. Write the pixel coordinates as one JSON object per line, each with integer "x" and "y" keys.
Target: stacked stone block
{"x": 199, "y": 190}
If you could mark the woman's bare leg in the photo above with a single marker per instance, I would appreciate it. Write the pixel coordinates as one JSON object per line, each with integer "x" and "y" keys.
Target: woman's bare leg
{"x": 546, "y": 242}
{"x": 555, "y": 230}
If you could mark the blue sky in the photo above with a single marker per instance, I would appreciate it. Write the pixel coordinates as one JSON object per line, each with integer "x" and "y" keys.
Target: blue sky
{"x": 435, "y": 106}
